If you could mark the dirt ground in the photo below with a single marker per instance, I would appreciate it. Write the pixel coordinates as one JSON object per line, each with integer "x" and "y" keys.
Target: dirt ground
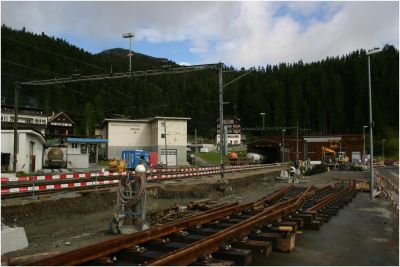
{"x": 72, "y": 220}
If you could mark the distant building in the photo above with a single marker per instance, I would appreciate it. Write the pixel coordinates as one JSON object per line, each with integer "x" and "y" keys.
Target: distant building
{"x": 28, "y": 118}
{"x": 147, "y": 134}
{"x": 31, "y": 146}
{"x": 59, "y": 126}
{"x": 309, "y": 147}
{"x": 233, "y": 130}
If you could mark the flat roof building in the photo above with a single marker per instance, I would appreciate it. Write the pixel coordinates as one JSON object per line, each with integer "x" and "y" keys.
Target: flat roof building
{"x": 149, "y": 135}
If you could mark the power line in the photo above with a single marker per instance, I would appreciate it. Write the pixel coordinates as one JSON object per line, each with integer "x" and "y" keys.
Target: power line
{"x": 28, "y": 67}
{"x": 121, "y": 75}
{"x": 53, "y": 53}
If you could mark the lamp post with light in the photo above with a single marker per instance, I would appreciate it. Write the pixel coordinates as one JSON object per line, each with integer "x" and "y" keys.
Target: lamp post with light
{"x": 263, "y": 116}
{"x": 129, "y": 35}
{"x": 369, "y": 53}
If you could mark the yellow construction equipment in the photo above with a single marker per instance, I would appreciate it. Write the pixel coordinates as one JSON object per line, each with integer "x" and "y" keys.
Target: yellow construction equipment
{"x": 117, "y": 165}
{"x": 328, "y": 155}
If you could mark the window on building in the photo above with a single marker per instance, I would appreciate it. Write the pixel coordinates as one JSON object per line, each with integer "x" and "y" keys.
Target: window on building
{"x": 162, "y": 135}
{"x": 83, "y": 149}
{"x": 74, "y": 145}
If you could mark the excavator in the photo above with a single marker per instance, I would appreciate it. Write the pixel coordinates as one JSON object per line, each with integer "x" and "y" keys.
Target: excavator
{"x": 330, "y": 157}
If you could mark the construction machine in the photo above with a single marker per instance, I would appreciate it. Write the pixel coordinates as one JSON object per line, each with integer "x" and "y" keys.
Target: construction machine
{"x": 342, "y": 158}
{"x": 328, "y": 155}
{"x": 117, "y": 165}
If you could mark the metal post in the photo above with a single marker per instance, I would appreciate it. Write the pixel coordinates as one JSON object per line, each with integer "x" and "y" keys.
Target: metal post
{"x": 130, "y": 54}
{"x": 370, "y": 132}
{"x": 15, "y": 160}
{"x": 297, "y": 141}
{"x": 263, "y": 117}
{"x": 363, "y": 159}
{"x": 140, "y": 208}
{"x": 195, "y": 140}
{"x": 283, "y": 145}
{"x": 221, "y": 121}
{"x": 165, "y": 136}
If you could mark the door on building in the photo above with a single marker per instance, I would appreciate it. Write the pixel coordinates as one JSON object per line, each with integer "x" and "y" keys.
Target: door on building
{"x": 171, "y": 156}
{"x": 92, "y": 153}
{"x": 32, "y": 158}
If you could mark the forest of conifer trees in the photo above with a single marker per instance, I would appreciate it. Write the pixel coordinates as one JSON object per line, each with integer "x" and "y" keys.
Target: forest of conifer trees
{"x": 329, "y": 96}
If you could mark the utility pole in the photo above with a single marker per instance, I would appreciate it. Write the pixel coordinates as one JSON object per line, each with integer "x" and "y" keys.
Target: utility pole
{"x": 195, "y": 140}
{"x": 221, "y": 122}
{"x": 363, "y": 159}
{"x": 165, "y": 136}
{"x": 371, "y": 124}
{"x": 297, "y": 140}
{"x": 15, "y": 158}
{"x": 283, "y": 145}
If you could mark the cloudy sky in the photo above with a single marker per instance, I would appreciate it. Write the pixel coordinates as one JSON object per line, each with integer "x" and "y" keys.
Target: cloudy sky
{"x": 236, "y": 33}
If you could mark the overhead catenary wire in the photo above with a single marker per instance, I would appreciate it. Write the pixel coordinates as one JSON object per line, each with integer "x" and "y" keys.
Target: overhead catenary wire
{"x": 54, "y": 53}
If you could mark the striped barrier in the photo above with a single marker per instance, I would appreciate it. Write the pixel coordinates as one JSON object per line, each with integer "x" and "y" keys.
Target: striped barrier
{"x": 386, "y": 186}
{"x": 153, "y": 175}
{"x": 39, "y": 188}
{"x": 107, "y": 174}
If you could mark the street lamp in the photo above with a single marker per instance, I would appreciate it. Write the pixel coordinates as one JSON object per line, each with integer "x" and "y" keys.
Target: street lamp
{"x": 283, "y": 145}
{"x": 263, "y": 116}
{"x": 129, "y": 35}
{"x": 364, "y": 127}
{"x": 383, "y": 150}
{"x": 369, "y": 53}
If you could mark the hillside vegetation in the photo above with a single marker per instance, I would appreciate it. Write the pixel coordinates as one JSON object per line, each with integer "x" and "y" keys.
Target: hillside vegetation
{"x": 329, "y": 96}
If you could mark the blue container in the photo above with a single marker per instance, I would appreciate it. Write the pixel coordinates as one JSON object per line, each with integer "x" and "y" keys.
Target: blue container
{"x": 134, "y": 157}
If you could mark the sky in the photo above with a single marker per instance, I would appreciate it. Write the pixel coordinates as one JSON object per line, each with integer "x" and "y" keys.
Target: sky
{"x": 241, "y": 34}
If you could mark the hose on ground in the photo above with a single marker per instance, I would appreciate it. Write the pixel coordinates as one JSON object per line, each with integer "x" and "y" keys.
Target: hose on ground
{"x": 125, "y": 193}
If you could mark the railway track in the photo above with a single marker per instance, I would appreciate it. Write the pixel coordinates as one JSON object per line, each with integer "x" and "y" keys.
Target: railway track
{"x": 226, "y": 235}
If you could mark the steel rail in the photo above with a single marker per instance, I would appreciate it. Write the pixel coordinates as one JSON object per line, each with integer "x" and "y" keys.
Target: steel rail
{"x": 83, "y": 255}
{"x": 89, "y": 253}
{"x": 188, "y": 255}
{"x": 274, "y": 196}
{"x": 330, "y": 198}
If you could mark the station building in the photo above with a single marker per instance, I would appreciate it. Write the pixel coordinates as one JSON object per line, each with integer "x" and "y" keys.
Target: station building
{"x": 309, "y": 147}
{"x": 149, "y": 135}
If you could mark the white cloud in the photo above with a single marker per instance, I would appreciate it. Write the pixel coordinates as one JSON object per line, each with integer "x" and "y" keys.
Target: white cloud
{"x": 236, "y": 33}
{"x": 183, "y": 63}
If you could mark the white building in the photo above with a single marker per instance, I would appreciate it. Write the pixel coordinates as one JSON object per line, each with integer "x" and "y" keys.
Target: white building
{"x": 149, "y": 135}
{"x": 28, "y": 117}
{"x": 30, "y": 149}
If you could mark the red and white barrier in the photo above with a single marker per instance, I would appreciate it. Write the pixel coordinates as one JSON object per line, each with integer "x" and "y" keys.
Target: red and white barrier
{"x": 163, "y": 175}
{"x": 60, "y": 176}
{"x": 38, "y": 188}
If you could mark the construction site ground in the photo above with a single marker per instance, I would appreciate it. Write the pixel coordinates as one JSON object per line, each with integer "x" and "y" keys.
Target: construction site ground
{"x": 363, "y": 233}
